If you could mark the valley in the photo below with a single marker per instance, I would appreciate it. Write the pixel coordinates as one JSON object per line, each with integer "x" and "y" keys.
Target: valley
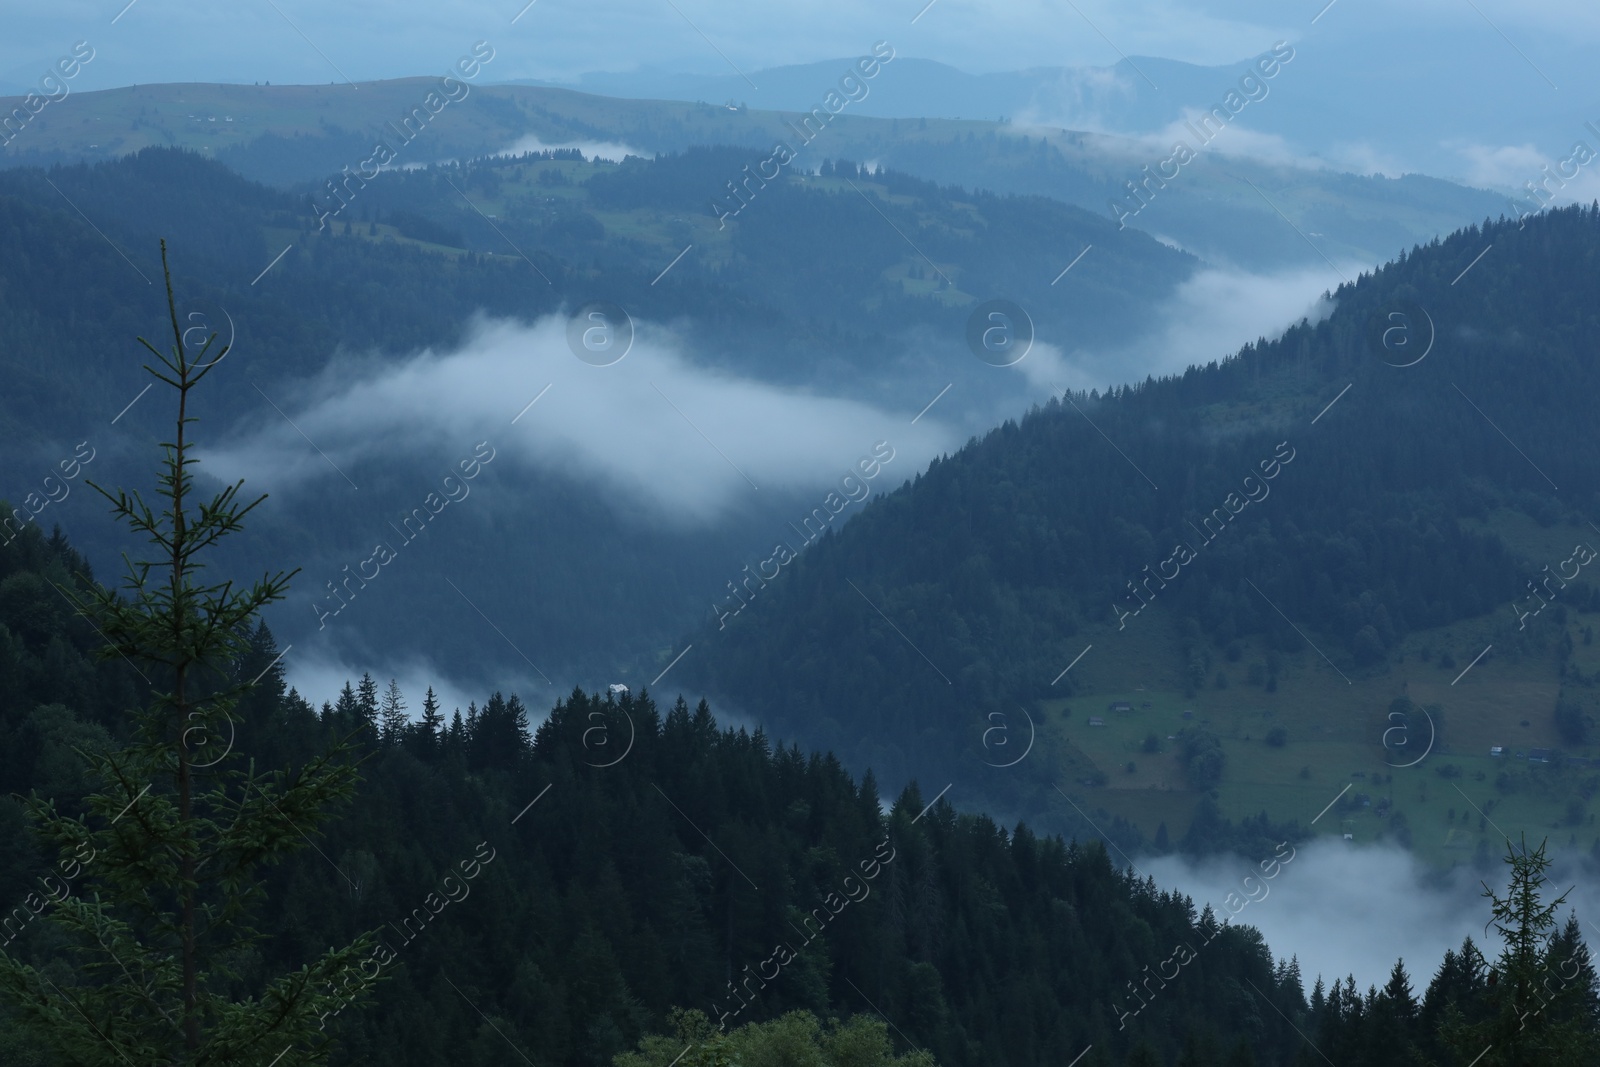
{"x": 735, "y": 557}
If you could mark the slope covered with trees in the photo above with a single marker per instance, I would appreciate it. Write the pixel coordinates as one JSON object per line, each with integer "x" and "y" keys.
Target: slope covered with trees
{"x": 621, "y": 894}
{"x": 608, "y": 895}
{"x": 568, "y": 890}
{"x": 761, "y": 299}
{"x": 1332, "y": 487}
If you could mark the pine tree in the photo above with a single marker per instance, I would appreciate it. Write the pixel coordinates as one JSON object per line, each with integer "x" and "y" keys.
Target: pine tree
{"x": 1291, "y": 985}
{"x": 346, "y": 710}
{"x": 1514, "y": 1029}
{"x": 393, "y": 715}
{"x": 1569, "y": 981}
{"x": 367, "y": 704}
{"x": 1392, "y": 1012}
{"x": 430, "y": 730}
{"x": 1397, "y": 993}
{"x": 167, "y": 850}
{"x": 499, "y": 734}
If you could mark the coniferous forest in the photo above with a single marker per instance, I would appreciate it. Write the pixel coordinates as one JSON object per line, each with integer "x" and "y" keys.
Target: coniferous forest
{"x": 709, "y": 535}
{"x": 599, "y": 889}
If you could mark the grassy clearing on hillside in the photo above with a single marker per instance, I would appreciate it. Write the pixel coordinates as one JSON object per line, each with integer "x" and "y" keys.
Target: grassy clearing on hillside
{"x": 1333, "y": 738}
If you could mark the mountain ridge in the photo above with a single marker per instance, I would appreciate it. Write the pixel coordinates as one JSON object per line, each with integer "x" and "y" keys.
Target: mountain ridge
{"x": 1044, "y": 536}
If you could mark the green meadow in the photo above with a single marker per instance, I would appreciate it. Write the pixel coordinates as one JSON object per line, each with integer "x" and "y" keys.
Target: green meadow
{"x": 1333, "y": 767}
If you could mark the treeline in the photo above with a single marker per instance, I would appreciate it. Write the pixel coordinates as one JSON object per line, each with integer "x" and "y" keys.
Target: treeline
{"x": 645, "y": 861}
{"x": 623, "y": 863}
{"x": 640, "y": 862}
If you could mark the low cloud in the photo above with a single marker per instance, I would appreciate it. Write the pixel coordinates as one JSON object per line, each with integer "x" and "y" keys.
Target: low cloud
{"x": 1502, "y": 166}
{"x": 1209, "y": 317}
{"x": 614, "y": 151}
{"x": 667, "y": 435}
{"x": 1345, "y": 909}
{"x": 1233, "y": 141}
{"x": 1510, "y": 168}
{"x": 1078, "y": 99}
{"x": 318, "y": 677}
{"x": 1361, "y": 157}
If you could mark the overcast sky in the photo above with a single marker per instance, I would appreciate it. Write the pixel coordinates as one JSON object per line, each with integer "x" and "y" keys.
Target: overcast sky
{"x": 304, "y": 41}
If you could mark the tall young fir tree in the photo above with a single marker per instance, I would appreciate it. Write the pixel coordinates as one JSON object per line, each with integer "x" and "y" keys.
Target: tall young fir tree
{"x": 151, "y": 959}
{"x": 1531, "y": 1014}
{"x": 392, "y": 715}
{"x": 425, "y": 738}
{"x": 367, "y": 706}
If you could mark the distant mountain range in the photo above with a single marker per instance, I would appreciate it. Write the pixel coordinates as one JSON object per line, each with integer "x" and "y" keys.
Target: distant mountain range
{"x": 1231, "y": 209}
{"x": 1333, "y": 106}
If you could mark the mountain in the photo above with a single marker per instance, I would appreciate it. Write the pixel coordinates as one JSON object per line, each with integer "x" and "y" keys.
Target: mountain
{"x": 395, "y": 280}
{"x": 1234, "y": 591}
{"x": 422, "y": 277}
{"x": 1228, "y": 204}
{"x": 1469, "y": 124}
{"x": 920, "y": 88}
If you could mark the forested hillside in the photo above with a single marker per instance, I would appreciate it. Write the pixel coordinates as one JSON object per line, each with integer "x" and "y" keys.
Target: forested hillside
{"x": 557, "y": 892}
{"x": 1332, "y": 494}
{"x": 633, "y": 862}
{"x": 416, "y": 258}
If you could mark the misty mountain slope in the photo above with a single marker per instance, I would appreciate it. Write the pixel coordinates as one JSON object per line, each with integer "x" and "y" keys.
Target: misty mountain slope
{"x": 795, "y": 264}
{"x": 584, "y": 918}
{"x": 967, "y": 593}
{"x": 370, "y": 359}
{"x": 766, "y": 281}
{"x": 1450, "y": 120}
{"x": 290, "y": 134}
{"x": 603, "y": 909}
